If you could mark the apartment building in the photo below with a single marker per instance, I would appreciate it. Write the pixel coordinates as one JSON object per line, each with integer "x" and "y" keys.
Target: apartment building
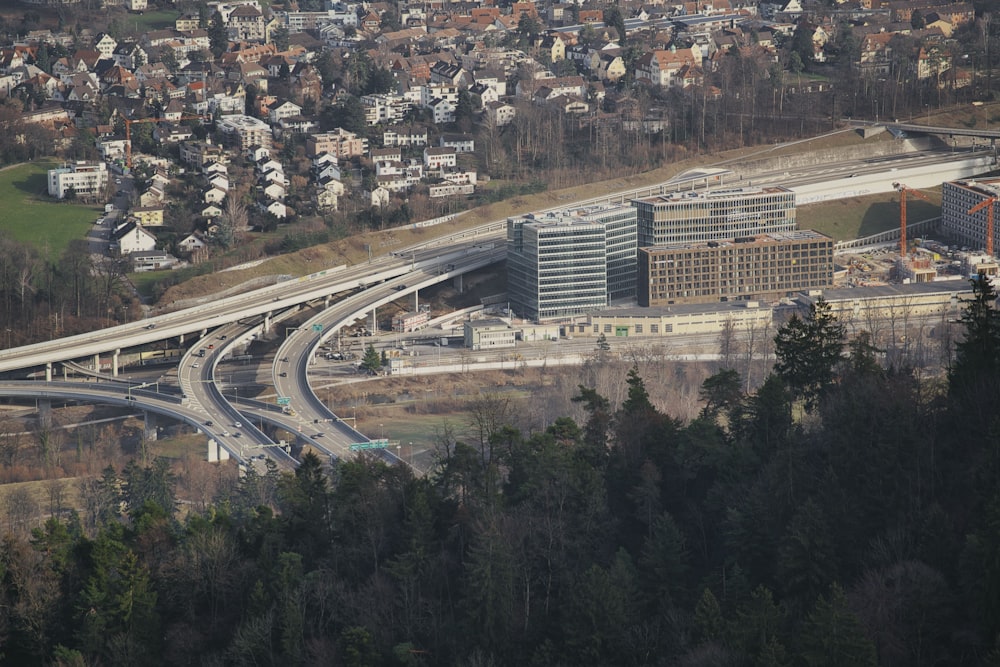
{"x": 719, "y": 215}
{"x": 86, "y": 179}
{"x": 247, "y": 129}
{"x": 969, "y": 229}
{"x": 570, "y": 262}
{"x": 339, "y": 142}
{"x": 764, "y": 267}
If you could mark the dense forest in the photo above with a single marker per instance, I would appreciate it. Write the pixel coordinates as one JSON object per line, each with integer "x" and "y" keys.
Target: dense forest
{"x": 845, "y": 513}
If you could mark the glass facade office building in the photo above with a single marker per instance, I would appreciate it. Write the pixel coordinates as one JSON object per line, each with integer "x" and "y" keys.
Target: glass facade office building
{"x": 566, "y": 263}
{"x": 719, "y": 215}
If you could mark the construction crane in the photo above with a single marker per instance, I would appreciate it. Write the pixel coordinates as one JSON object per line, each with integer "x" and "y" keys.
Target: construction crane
{"x": 988, "y": 205}
{"x": 128, "y": 131}
{"x": 903, "y": 190}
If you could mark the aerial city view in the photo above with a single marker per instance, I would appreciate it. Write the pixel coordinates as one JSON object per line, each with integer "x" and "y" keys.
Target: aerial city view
{"x": 497, "y": 332}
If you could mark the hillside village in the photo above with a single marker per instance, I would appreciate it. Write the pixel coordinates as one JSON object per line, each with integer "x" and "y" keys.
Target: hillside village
{"x": 242, "y": 117}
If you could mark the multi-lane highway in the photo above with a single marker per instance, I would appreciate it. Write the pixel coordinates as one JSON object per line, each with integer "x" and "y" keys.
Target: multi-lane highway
{"x": 365, "y": 286}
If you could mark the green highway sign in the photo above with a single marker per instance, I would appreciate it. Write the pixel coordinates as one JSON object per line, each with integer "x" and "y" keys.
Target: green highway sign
{"x": 284, "y": 400}
{"x": 371, "y": 444}
{"x": 317, "y": 327}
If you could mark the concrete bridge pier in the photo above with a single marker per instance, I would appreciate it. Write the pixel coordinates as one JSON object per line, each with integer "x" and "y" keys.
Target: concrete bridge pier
{"x": 216, "y": 452}
{"x": 204, "y": 332}
{"x": 416, "y": 301}
{"x": 326, "y": 301}
{"x": 149, "y": 426}
{"x": 44, "y": 412}
{"x": 267, "y": 323}
{"x": 458, "y": 283}
{"x": 114, "y": 362}
{"x": 48, "y": 371}
{"x": 180, "y": 339}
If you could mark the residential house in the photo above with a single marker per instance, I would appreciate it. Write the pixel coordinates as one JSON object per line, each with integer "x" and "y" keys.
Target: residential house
{"x": 274, "y": 191}
{"x": 268, "y": 164}
{"x": 152, "y": 196}
{"x": 328, "y": 193}
{"x": 211, "y": 211}
{"x": 149, "y": 216}
{"x": 191, "y": 243}
{"x": 443, "y": 111}
{"x": 297, "y": 125}
{"x": 220, "y": 181}
{"x": 256, "y": 153}
{"x": 449, "y": 73}
{"x": 404, "y": 136}
{"x": 462, "y": 143}
{"x": 213, "y": 195}
{"x": 436, "y": 158}
{"x": 200, "y": 153}
{"x": 213, "y": 168}
{"x": 132, "y": 237}
{"x": 552, "y": 46}
{"x": 129, "y": 55}
{"x": 245, "y": 23}
{"x": 500, "y": 113}
{"x": 277, "y": 209}
{"x": 283, "y": 109}
{"x": 660, "y": 67}
{"x": 105, "y": 44}
{"x": 386, "y": 155}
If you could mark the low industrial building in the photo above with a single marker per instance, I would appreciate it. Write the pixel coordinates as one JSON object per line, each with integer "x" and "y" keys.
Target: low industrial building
{"x": 858, "y": 307}
{"x": 764, "y": 267}
{"x": 663, "y": 322}
{"x": 488, "y": 334}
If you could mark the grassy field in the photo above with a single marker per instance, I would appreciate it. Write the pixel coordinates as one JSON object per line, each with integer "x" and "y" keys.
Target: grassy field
{"x": 151, "y": 21}
{"x": 846, "y": 219}
{"x": 31, "y": 217}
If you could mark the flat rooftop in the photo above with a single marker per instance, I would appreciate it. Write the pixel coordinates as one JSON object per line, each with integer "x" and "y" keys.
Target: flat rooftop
{"x": 692, "y": 195}
{"x": 940, "y": 287}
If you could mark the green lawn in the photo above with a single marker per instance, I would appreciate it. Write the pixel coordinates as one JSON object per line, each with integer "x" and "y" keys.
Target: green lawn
{"x": 147, "y": 21}
{"x": 846, "y": 219}
{"x": 30, "y": 216}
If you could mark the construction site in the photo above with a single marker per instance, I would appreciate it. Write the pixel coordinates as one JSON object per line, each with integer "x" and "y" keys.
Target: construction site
{"x": 957, "y": 246}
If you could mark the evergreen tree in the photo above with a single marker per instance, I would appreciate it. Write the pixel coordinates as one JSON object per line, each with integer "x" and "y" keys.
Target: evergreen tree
{"x": 808, "y": 352}
{"x": 832, "y": 635}
{"x": 372, "y": 361}
{"x": 218, "y": 36}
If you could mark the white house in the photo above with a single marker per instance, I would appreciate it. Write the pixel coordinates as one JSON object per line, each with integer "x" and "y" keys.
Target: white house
{"x": 436, "y": 158}
{"x": 283, "y": 109}
{"x": 277, "y": 209}
{"x": 220, "y": 181}
{"x": 213, "y": 195}
{"x": 274, "y": 191}
{"x": 190, "y": 243}
{"x": 133, "y": 237}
